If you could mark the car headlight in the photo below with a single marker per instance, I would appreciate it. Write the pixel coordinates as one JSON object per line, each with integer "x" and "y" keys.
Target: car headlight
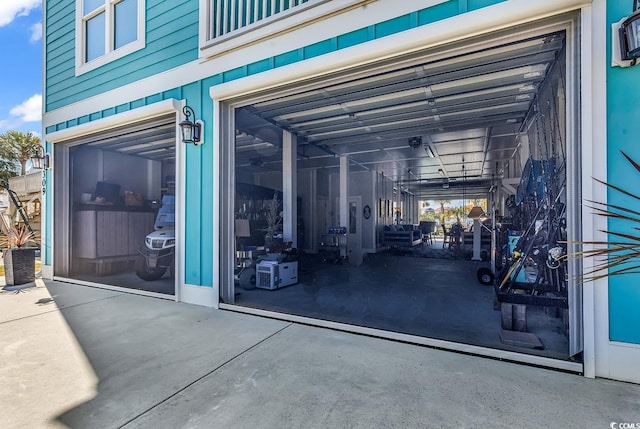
{"x": 170, "y": 242}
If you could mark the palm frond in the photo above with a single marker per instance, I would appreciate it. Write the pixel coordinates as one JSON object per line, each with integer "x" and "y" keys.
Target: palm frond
{"x": 621, "y": 254}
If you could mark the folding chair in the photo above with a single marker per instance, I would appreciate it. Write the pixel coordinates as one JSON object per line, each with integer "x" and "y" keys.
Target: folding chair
{"x": 446, "y": 236}
{"x": 426, "y": 231}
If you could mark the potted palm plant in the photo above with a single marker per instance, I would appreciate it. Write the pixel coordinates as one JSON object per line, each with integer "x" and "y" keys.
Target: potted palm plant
{"x": 19, "y": 255}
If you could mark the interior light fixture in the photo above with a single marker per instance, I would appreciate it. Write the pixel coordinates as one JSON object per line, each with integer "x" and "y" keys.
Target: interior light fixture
{"x": 39, "y": 159}
{"x": 629, "y": 36}
{"x": 415, "y": 142}
{"x": 191, "y": 130}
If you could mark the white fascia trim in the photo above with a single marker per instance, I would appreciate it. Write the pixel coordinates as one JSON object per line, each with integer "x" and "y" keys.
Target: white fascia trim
{"x": 586, "y": 110}
{"x": 310, "y": 13}
{"x": 181, "y": 197}
{"x": 492, "y": 18}
{"x": 119, "y": 119}
{"x": 499, "y": 16}
{"x": 199, "y": 295}
{"x": 215, "y": 262}
{"x": 605, "y": 356}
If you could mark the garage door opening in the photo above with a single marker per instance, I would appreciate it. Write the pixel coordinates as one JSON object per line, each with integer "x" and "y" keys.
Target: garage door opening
{"x": 116, "y": 211}
{"x": 330, "y": 178}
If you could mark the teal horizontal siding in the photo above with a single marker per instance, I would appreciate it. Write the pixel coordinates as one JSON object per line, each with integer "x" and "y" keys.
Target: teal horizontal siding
{"x": 479, "y": 4}
{"x": 59, "y": 8}
{"x": 171, "y": 40}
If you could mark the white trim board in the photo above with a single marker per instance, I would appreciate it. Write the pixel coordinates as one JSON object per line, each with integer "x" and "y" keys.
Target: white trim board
{"x": 119, "y": 119}
{"x": 199, "y": 295}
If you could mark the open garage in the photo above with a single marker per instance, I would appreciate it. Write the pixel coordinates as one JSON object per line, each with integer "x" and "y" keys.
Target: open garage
{"x": 324, "y": 190}
{"x": 118, "y": 218}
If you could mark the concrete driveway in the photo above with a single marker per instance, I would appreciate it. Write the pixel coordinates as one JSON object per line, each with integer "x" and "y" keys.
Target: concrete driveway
{"x": 80, "y": 357}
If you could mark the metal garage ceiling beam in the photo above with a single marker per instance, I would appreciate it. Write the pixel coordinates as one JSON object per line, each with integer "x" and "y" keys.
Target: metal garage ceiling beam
{"x": 471, "y": 102}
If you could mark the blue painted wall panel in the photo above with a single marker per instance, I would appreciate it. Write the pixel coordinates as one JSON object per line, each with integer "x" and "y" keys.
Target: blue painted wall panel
{"x": 258, "y": 66}
{"x": 320, "y": 48}
{"x": 478, "y": 4}
{"x": 438, "y": 13}
{"x": 623, "y": 115}
{"x": 395, "y": 25}
{"x": 355, "y": 37}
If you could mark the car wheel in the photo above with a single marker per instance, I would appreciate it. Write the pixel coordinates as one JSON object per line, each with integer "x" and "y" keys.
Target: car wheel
{"x": 148, "y": 273}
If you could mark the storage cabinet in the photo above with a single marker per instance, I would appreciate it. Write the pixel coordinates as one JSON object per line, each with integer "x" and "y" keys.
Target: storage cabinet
{"x": 101, "y": 236}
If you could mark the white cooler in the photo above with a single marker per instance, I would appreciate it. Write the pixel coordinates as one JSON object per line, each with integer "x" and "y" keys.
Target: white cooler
{"x": 273, "y": 275}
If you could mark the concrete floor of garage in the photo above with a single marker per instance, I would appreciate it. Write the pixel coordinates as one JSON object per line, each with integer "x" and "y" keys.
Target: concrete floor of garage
{"x": 129, "y": 280}
{"x": 81, "y": 357}
{"x": 410, "y": 294}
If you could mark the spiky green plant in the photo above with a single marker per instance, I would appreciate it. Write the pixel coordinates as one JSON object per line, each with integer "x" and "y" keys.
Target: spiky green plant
{"x": 621, "y": 254}
{"x": 18, "y": 236}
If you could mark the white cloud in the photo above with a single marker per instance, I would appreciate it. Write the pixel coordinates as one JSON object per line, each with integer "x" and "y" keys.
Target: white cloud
{"x": 30, "y": 110}
{"x": 36, "y": 32}
{"x": 11, "y": 9}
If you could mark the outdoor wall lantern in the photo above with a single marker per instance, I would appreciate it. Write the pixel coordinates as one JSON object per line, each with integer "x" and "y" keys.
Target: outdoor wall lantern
{"x": 628, "y": 38}
{"x": 39, "y": 159}
{"x": 190, "y": 130}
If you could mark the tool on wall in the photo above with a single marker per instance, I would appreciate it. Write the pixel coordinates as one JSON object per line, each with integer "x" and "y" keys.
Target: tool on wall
{"x": 534, "y": 272}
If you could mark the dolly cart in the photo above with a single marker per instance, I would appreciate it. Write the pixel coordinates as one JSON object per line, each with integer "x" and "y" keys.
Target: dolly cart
{"x": 333, "y": 247}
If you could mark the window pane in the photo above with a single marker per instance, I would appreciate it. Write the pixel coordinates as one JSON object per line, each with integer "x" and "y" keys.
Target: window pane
{"x": 95, "y": 37}
{"x": 126, "y": 22}
{"x": 91, "y": 5}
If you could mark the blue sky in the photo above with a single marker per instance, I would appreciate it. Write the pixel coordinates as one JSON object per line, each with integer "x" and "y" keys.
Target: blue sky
{"x": 21, "y": 69}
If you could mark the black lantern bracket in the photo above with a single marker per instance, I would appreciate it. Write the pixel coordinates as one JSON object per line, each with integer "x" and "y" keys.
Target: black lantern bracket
{"x": 625, "y": 37}
{"x": 191, "y": 129}
{"x": 40, "y": 159}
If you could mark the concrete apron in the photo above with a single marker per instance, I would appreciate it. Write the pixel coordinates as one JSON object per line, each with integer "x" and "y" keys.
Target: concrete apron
{"x": 77, "y": 356}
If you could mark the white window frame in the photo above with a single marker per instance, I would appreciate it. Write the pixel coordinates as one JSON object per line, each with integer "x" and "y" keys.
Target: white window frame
{"x": 111, "y": 53}
{"x": 265, "y": 28}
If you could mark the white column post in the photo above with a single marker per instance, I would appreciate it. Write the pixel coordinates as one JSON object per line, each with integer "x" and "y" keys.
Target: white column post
{"x": 477, "y": 238}
{"x": 290, "y": 188}
{"x": 344, "y": 191}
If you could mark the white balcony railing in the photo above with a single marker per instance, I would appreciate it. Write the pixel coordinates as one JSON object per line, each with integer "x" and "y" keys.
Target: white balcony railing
{"x": 226, "y": 25}
{"x": 27, "y": 184}
{"x": 228, "y": 16}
